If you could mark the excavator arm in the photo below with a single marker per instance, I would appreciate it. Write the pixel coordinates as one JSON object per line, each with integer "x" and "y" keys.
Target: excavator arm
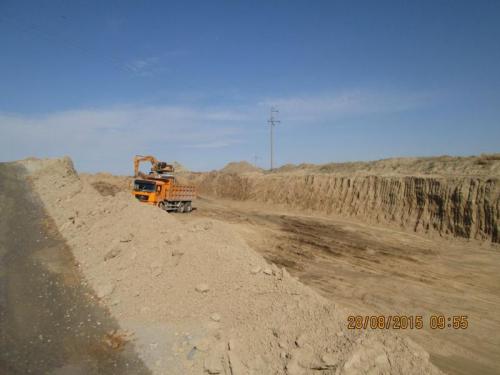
{"x": 138, "y": 159}
{"x": 156, "y": 166}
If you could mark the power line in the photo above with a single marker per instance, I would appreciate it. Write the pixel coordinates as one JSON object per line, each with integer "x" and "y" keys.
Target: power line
{"x": 272, "y": 123}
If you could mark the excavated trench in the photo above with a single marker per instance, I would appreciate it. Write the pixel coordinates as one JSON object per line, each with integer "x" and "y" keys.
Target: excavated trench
{"x": 466, "y": 207}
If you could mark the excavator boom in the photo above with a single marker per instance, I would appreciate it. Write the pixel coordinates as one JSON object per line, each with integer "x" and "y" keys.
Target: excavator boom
{"x": 156, "y": 166}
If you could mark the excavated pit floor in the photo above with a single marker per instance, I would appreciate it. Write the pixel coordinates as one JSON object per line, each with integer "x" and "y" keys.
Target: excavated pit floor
{"x": 50, "y": 322}
{"x": 373, "y": 271}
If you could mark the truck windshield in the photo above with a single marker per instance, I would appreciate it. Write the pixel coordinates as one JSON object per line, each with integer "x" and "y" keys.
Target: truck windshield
{"x": 144, "y": 186}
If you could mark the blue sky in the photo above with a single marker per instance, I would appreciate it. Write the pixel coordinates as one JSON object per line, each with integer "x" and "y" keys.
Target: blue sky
{"x": 193, "y": 81}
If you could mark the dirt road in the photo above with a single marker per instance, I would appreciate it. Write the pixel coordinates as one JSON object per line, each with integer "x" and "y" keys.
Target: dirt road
{"x": 50, "y": 322}
{"x": 381, "y": 271}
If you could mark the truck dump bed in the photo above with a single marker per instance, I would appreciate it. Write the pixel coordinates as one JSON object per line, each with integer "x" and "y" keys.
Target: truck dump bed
{"x": 181, "y": 193}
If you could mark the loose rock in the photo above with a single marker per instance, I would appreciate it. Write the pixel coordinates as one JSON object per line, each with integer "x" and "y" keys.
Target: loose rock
{"x": 156, "y": 269}
{"x": 301, "y": 341}
{"x": 255, "y": 270}
{"x": 329, "y": 360}
{"x": 112, "y": 253}
{"x": 293, "y": 368}
{"x": 105, "y": 290}
{"x": 213, "y": 364}
{"x": 215, "y": 317}
{"x": 202, "y": 288}
{"x": 202, "y": 345}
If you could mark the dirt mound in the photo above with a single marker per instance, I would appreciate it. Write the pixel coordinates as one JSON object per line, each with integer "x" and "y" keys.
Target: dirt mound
{"x": 295, "y": 168}
{"x": 240, "y": 167}
{"x": 486, "y": 165}
{"x": 178, "y": 167}
{"x": 62, "y": 167}
{"x": 198, "y": 299}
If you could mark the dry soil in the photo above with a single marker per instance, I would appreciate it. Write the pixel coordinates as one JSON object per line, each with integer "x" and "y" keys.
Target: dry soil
{"x": 196, "y": 298}
{"x": 374, "y": 270}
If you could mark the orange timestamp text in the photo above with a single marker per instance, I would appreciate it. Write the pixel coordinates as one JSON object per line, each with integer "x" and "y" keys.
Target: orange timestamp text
{"x": 406, "y": 322}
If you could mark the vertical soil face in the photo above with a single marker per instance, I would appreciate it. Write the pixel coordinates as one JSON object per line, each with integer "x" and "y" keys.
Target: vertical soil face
{"x": 50, "y": 322}
{"x": 465, "y": 207}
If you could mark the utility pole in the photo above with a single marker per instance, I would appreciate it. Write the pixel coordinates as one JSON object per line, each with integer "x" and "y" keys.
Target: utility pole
{"x": 272, "y": 123}
{"x": 256, "y": 158}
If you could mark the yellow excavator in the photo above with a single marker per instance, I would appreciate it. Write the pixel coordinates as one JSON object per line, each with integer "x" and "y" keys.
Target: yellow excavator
{"x": 160, "y": 188}
{"x": 157, "y": 167}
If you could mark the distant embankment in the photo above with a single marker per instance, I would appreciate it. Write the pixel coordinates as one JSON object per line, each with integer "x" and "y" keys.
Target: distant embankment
{"x": 465, "y": 207}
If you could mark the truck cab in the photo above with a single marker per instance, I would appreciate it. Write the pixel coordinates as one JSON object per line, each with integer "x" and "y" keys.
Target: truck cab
{"x": 146, "y": 191}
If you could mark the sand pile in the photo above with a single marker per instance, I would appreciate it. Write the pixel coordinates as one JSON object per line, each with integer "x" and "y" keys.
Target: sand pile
{"x": 198, "y": 300}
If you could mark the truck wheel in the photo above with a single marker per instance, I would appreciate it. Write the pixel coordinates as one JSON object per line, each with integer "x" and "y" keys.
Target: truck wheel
{"x": 188, "y": 207}
{"x": 162, "y": 206}
{"x": 180, "y": 208}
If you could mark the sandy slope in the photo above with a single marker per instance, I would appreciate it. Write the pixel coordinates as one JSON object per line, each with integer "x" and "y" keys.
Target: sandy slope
{"x": 198, "y": 299}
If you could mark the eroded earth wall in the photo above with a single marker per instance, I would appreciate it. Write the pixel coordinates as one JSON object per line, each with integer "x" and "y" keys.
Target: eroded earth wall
{"x": 465, "y": 207}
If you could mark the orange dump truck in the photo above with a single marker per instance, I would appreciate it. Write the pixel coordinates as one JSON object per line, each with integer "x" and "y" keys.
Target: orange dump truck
{"x": 160, "y": 188}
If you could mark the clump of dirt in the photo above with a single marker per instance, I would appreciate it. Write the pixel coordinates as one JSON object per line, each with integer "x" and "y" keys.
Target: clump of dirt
{"x": 179, "y": 168}
{"x": 106, "y": 183}
{"x": 198, "y": 299}
{"x": 240, "y": 167}
{"x": 115, "y": 339}
{"x": 105, "y": 188}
